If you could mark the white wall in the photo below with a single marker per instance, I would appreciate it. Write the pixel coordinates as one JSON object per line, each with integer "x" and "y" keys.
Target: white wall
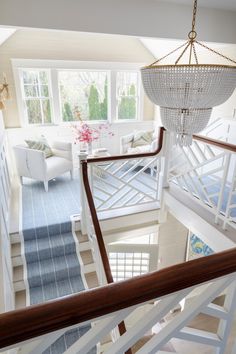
{"x": 1, "y": 123}
{"x": 150, "y": 18}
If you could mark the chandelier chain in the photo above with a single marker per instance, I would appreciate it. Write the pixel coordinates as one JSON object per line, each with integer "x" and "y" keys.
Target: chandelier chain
{"x": 182, "y": 53}
{"x": 214, "y": 51}
{"x": 173, "y": 51}
{"x": 194, "y": 15}
{"x": 195, "y": 53}
{"x": 191, "y": 44}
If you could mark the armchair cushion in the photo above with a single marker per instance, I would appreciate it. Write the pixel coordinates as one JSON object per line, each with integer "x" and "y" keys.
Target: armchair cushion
{"x": 139, "y": 149}
{"x": 56, "y": 166}
{"x": 142, "y": 138}
{"x": 41, "y": 146}
{"x": 138, "y": 142}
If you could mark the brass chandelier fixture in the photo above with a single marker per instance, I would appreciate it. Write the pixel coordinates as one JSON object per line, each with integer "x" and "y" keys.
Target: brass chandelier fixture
{"x": 186, "y": 93}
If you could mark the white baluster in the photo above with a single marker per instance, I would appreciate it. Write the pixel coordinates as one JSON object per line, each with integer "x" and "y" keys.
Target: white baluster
{"x": 82, "y": 156}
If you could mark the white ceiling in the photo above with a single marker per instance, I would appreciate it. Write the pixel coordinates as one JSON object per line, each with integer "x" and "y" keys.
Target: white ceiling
{"x": 215, "y": 4}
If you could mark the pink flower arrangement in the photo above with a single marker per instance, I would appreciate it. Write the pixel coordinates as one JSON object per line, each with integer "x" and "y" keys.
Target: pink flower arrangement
{"x": 84, "y": 133}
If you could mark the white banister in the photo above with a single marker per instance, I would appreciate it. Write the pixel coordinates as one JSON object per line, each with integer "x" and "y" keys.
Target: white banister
{"x": 175, "y": 327}
{"x": 82, "y": 156}
{"x": 208, "y": 174}
{"x": 191, "y": 310}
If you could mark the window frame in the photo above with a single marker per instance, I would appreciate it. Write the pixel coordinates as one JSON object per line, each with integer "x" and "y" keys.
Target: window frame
{"x": 54, "y": 66}
{"x": 24, "y": 98}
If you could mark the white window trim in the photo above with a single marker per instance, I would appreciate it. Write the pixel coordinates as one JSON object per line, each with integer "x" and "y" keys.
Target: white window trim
{"x": 55, "y": 65}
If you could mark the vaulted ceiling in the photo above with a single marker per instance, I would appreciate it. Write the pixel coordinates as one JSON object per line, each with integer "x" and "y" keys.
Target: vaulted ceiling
{"x": 216, "y": 22}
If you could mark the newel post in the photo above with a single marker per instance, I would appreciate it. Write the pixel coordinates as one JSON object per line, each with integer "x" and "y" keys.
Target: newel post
{"x": 165, "y": 158}
{"x": 82, "y": 157}
{"x": 164, "y": 172}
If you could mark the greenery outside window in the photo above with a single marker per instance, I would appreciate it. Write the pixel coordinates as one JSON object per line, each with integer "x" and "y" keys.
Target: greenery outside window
{"x": 127, "y": 84}
{"x": 52, "y": 92}
{"x": 83, "y": 94}
{"x": 36, "y": 96}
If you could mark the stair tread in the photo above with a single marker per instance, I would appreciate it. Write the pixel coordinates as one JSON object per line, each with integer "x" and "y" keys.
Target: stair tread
{"x": 57, "y": 289}
{"x": 48, "y": 270}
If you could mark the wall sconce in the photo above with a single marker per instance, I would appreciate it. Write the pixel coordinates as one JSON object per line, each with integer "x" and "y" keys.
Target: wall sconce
{"x": 4, "y": 92}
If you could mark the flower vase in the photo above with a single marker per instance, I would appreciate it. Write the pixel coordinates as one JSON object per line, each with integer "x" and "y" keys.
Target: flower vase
{"x": 90, "y": 148}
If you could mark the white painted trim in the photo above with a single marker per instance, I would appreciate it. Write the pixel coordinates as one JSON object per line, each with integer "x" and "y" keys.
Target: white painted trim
{"x": 197, "y": 224}
{"x": 22, "y": 247}
{"x": 74, "y": 64}
{"x": 54, "y": 65}
{"x": 77, "y": 248}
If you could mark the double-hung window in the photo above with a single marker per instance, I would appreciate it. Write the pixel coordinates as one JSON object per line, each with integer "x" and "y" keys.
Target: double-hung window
{"x": 36, "y": 94}
{"x": 77, "y": 91}
{"x": 84, "y": 95}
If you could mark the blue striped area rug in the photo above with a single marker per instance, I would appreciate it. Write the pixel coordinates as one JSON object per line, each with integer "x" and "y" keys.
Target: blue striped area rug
{"x": 53, "y": 268}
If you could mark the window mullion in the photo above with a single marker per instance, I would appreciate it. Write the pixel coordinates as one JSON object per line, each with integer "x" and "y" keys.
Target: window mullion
{"x": 113, "y": 96}
{"x": 39, "y": 98}
{"x": 56, "y": 102}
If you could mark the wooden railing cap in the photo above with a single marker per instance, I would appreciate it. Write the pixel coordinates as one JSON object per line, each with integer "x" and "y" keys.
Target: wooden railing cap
{"x": 20, "y": 325}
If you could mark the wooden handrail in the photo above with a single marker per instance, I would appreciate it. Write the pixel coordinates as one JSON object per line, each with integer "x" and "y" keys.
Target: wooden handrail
{"x": 96, "y": 224}
{"x": 210, "y": 141}
{"x": 33, "y": 321}
{"x": 98, "y": 232}
{"x": 214, "y": 142}
{"x": 132, "y": 156}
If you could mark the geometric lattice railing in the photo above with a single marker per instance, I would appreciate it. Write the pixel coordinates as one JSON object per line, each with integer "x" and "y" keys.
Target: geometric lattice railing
{"x": 207, "y": 172}
{"x": 125, "y": 183}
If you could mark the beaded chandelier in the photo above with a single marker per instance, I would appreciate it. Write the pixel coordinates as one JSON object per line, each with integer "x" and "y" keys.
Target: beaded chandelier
{"x": 186, "y": 93}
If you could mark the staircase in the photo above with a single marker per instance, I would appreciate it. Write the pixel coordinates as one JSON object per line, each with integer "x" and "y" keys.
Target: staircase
{"x": 132, "y": 189}
{"x": 85, "y": 257}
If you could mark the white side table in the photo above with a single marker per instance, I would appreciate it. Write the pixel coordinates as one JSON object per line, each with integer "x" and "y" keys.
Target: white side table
{"x": 100, "y": 153}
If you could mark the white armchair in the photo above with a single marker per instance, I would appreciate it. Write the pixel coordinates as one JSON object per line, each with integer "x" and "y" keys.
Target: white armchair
{"x": 126, "y": 144}
{"x": 33, "y": 164}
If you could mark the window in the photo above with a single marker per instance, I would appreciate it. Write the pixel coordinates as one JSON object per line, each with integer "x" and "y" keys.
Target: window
{"x": 84, "y": 94}
{"x": 36, "y": 96}
{"x": 127, "y": 95}
{"x": 126, "y": 265}
{"x": 51, "y": 92}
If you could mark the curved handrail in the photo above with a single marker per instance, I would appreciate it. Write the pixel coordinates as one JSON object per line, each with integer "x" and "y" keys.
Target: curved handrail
{"x": 204, "y": 139}
{"x": 96, "y": 224}
{"x": 33, "y": 321}
{"x": 100, "y": 241}
{"x": 132, "y": 156}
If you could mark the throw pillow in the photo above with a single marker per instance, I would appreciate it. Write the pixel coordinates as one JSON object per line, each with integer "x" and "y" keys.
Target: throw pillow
{"x": 40, "y": 145}
{"x": 142, "y": 138}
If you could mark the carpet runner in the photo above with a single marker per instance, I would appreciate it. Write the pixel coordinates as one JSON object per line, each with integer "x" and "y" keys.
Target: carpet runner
{"x": 53, "y": 268}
